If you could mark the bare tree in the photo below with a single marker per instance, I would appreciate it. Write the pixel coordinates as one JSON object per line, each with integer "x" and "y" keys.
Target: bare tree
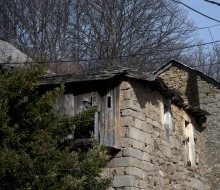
{"x": 205, "y": 59}
{"x": 37, "y": 27}
{"x": 134, "y": 32}
{"x": 131, "y": 32}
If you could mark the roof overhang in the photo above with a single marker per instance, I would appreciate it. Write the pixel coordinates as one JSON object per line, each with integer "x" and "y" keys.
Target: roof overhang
{"x": 101, "y": 74}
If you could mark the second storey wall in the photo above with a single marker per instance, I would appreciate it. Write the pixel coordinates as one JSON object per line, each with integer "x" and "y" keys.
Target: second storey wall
{"x": 153, "y": 157}
{"x": 199, "y": 91}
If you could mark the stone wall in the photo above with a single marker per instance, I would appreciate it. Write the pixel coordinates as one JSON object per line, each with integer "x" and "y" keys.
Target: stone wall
{"x": 183, "y": 83}
{"x": 148, "y": 158}
{"x": 207, "y": 95}
{"x": 210, "y": 101}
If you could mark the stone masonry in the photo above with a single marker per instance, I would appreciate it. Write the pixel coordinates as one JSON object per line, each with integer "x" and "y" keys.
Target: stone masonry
{"x": 211, "y": 134}
{"x": 158, "y": 122}
{"x": 196, "y": 89}
{"x": 149, "y": 159}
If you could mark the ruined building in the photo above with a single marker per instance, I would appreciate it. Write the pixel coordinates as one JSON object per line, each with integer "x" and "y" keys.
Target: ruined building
{"x": 162, "y": 127}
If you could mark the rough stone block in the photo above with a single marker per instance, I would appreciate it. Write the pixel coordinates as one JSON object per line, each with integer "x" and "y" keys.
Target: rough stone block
{"x": 146, "y": 156}
{"x": 130, "y": 104}
{"x": 149, "y": 120}
{"x": 138, "y": 124}
{"x": 167, "y": 151}
{"x": 148, "y": 166}
{"x": 125, "y": 85}
{"x": 134, "y": 171}
{"x": 124, "y": 131}
{"x": 175, "y": 144}
{"x": 118, "y": 170}
{"x": 125, "y": 142}
{"x": 162, "y": 183}
{"x": 142, "y": 184}
{"x": 177, "y": 186}
{"x": 134, "y": 162}
{"x": 149, "y": 148}
{"x": 120, "y": 162}
{"x": 123, "y": 181}
{"x": 128, "y": 112}
{"x": 136, "y": 134}
{"x": 140, "y": 116}
{"x": 217, "y": 96}
{"x": 197, "y": 184}
{"x": 137, "y": 144}
{"x": 148, "y": 128}
{"x": 132, "y": 152}
{"x": 127, "y": 121}
{"x": 129, "y": 94}
{"x": 165, "y": 142}
{"x": 147, "y": 138}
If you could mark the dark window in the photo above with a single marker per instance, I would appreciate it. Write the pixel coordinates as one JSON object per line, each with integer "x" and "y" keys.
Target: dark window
{"x": 109, "y": 102}
{"x": 91, "y": 102}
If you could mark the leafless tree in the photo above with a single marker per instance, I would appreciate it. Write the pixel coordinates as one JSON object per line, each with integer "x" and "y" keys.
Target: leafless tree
{"x": 131, "y": 32}
{"x": 205, "y": 59}
{"x": 37, "y": 27}
{"x": 134, "y": 32}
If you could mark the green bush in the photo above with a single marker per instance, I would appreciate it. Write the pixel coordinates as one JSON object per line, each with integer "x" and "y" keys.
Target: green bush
{"x": 31, "y": 134}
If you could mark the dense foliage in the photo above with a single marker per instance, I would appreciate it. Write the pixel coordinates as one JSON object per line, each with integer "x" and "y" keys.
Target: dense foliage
{"x": 31, "y": 135}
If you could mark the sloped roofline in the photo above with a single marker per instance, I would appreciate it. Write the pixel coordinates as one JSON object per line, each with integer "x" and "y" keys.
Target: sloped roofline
{"x": 105, "y": 74}
{"x": 96, "y": 74}
{"x": 130, "y": 73}
{"x": 177, "y": 63}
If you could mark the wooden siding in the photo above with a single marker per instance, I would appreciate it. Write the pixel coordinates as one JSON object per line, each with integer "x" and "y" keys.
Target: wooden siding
{"x": 109, "y": 117}
{"x": 66, "y": 104}
{"x": 106, "y": 98}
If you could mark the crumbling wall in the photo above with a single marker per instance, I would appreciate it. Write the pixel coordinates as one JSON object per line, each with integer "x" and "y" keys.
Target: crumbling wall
{"x": 148, "y": 159}
{"x": 210, "y": 101}
{"x": 208, "y": 98}
{"x": 183, "y": 83}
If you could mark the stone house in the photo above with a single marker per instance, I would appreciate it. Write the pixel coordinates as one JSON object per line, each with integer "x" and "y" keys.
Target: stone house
{"x": 162, "y": 127}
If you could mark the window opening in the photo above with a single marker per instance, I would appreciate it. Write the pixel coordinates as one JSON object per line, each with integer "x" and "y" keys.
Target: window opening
{"x": 96, "y": 125}
{"x": 91, "y": 102}
{"x": 189, "y": 144}
{"x": 109, "y": 102}
{"x": 167, "y": 121}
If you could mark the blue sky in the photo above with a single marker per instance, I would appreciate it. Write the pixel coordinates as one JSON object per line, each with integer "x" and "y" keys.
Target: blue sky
{"x": 201, "y": 21}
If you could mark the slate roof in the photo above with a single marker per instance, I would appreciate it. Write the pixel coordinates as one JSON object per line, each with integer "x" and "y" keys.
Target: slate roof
{"x": 98, "y": 74}
{"x": 109, "y": 72}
